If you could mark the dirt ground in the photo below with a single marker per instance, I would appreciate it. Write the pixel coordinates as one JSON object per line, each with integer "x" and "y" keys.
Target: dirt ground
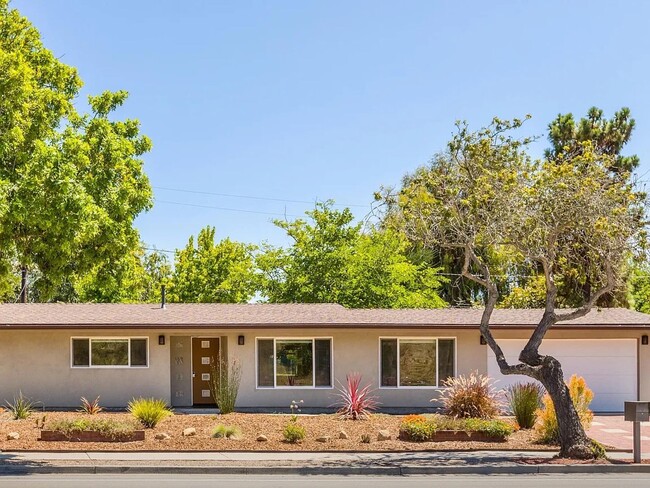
{"x": 251, "y": 425}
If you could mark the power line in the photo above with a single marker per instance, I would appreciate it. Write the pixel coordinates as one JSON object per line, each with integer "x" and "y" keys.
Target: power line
{"x": 166, "y": 251}
{"x": 277, "y": 214}
{"x": 252, "y": 197}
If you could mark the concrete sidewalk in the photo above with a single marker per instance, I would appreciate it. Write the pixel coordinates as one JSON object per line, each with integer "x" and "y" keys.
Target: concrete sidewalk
{"x": 346, "y": 463}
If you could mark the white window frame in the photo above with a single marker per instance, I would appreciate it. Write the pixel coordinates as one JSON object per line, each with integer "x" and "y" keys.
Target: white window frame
{"x": 399, "y": 373}
{"x": 102, "y": 338}
{"x": 275, "y": 364}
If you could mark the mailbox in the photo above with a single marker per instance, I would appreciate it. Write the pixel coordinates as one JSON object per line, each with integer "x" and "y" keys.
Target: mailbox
{"x": 637, "y": 411}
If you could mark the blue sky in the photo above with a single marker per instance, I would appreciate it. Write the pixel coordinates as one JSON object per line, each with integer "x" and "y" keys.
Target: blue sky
{"x": 302, "y": 100}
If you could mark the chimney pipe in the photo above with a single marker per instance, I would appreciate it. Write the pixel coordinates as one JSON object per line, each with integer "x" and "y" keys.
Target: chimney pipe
{"x": 163, "y": 294}
{"x": 23, "y": 284}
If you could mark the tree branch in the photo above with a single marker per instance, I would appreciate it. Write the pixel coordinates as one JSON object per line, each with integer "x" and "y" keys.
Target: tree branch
{"x": 490, "y": 304}
{"x": 584, "y": 309}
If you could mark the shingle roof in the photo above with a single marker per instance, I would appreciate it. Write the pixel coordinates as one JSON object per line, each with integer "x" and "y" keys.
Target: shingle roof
{"x": 58, "y": 315}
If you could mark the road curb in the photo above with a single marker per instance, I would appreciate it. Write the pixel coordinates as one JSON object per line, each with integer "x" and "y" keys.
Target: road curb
{"x": 332, "y": 470}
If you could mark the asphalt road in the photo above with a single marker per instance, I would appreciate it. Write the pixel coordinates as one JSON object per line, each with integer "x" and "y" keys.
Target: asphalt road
{"x": 276, "y": 481}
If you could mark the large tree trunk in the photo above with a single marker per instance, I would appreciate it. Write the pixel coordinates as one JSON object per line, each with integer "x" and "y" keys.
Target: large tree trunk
{"x": 574, "y": 442}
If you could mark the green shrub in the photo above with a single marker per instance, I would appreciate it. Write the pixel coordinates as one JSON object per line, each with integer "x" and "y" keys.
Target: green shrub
{"x": 580, "y": 394}
{"x": 21, "y": 407}
{"x": 225, "y": 378}
{"x": 417, "y": 428}
{"x": 493, "y": 427}
{"x": 112, "y": 428}
{"x": 598, "y": 450}
{"x": 421, "y": 428}
{"x": 472, "y": 396}
{"x": 525, "y": 399}
{"x": 293, "y": 432}
{"x": 226, "y": 432}
{"x": 149, "y": 411}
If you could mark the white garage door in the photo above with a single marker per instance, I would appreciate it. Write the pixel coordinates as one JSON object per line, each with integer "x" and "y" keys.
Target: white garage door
{"x": 608, "y": 365}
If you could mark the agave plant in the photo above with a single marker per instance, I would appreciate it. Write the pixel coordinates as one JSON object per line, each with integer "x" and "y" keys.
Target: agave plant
{"x": 355, "y": 402}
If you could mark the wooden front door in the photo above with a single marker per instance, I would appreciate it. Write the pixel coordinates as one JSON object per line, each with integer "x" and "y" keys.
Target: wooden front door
{"x": 205, "y": 352}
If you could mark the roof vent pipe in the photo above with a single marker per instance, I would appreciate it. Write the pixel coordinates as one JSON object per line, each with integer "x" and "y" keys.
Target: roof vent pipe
{"x": 163, "y": 303}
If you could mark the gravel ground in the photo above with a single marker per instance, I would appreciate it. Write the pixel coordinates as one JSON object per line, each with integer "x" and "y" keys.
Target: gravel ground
{"x": 251, "y": 425}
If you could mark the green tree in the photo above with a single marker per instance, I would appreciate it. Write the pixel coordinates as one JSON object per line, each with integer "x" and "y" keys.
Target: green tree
{"x": 70, "y": 184}
{"x": 332, "y": 261}
{"x": 136, "y": 278}
{"x": 221, "y": 272}
{"x": 485, "y": 193}
{"x": 639, "y": 287}
{"x": 605, "y": 137}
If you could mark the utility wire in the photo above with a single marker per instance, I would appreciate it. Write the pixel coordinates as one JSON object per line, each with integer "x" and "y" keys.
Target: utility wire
{"x": 252, "y": 197}
{"x": 228, "y": 209}
{"x": 458, "y": 275}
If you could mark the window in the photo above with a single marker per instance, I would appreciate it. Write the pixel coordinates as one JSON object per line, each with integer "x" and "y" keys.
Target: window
{"x": 416, "y": 362}
{"x": 109, "y": 352}
{"x": 292, "y": 362}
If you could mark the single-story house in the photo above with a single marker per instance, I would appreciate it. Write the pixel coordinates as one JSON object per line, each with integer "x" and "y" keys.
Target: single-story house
{"x": 57, "y": 353}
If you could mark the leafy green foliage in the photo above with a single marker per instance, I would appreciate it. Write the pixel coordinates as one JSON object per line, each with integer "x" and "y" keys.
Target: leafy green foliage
{"x": 417, "y": 428}
{"x": 639, "y": 289}
{"x": 607, "y": 137}
{"x": 332, "y": 261}
{"x": 136, "y": 278}
{"x": 222, "y": 431}
{"x": 492, "y": 427}
{"x": 293, "y": 432}
{"x": 598, "y": 450}
{"x": 421, "y": 428}
{"x": 71, "y": 184}
{"x": 525, "y": 399}
{"x": 112, "y": 428}
{"x": 21, "y": 407}
{"x": 149, "y": 411}
{"x": 212, "y": 271}
{"x": 472, "y": 396}
{"x": 530, "y": 294}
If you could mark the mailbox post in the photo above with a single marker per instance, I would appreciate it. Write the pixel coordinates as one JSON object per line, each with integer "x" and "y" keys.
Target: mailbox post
{"x": 637, "y": 412}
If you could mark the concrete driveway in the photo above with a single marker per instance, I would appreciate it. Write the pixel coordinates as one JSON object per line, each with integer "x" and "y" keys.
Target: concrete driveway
{"x": 613, "y": 431}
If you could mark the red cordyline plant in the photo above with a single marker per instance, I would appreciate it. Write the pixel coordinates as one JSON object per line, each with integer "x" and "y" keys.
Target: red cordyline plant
{"x": 355, "y": 402}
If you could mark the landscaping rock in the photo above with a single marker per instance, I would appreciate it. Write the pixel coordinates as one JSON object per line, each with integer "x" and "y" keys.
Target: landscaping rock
{"x": 189, "y": 432}
{"x": 343, "y": 435}
{"x": 162, "y": 436}
{"x": 262, "y": 438}
{"x": 323, "y": 438}
{"x": 13, "y": 436}
{"x": 383, "y": 435}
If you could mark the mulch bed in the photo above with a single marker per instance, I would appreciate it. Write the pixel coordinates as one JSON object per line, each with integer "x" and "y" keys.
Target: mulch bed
{"x": 251, "y": 425}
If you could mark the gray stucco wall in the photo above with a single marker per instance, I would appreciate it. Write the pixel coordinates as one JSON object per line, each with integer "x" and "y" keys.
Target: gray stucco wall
{"x": 38, "y": 364}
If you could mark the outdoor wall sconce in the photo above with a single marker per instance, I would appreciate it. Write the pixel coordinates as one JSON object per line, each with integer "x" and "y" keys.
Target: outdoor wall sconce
{"x": 240, "y": 340}
{"x": 644, "y": 340}
{"x": 161, "y": 340}
{"x": 483, "y": 343}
